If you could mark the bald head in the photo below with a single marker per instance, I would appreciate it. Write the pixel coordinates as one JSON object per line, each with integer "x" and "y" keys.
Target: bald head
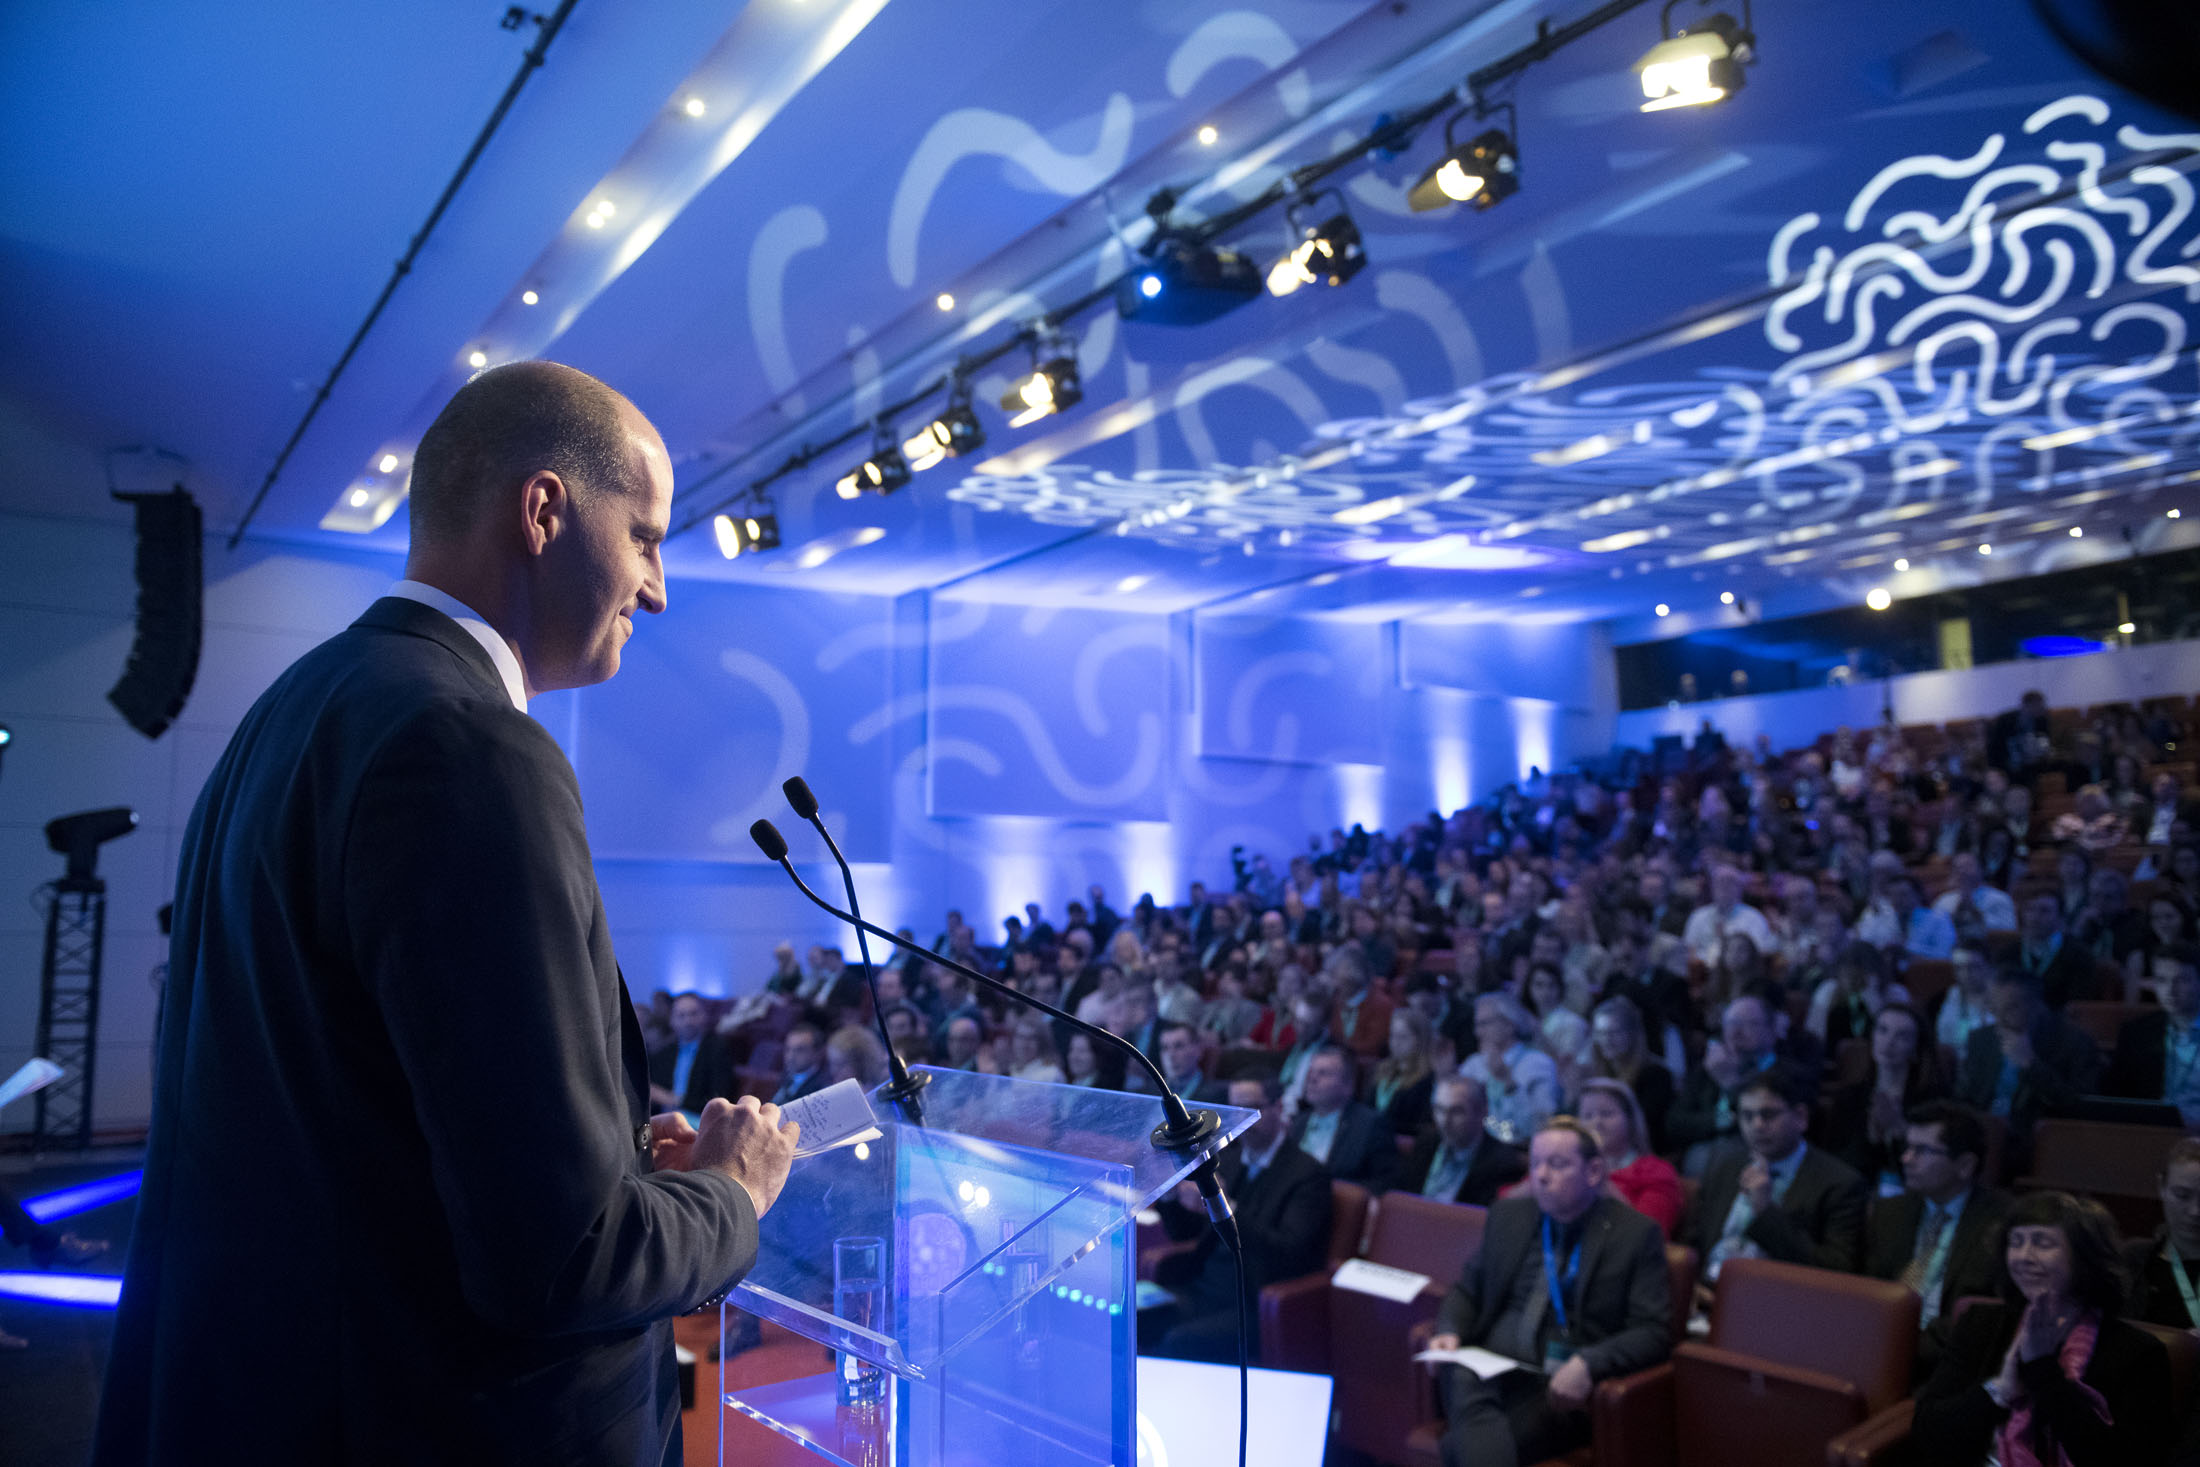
{"x": 510, "y": 423}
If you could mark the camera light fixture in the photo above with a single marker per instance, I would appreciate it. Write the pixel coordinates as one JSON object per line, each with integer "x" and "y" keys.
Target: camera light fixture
{"x": 1051, "y": 386}
{"x": 1699, "y": 64}
{"x": 1483, "y": 171}
{"x": 1329, "y": 252}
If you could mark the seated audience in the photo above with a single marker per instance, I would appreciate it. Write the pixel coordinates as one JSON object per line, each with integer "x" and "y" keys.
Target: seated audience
{"x": 1348, "y": 1138}
{"x": 1971, "y": 906}
{"x": 1940, "y": 1234}
{"x": 1864, "y": 1123}
{"x": 1779, "y": 1197}
{"x": 1521, "y": 1081}
{"x": 1963, "y": 1008}
{"x": 2165, "y": 1269}
{"x": 801, "y": 1064}
{"x": 855, "y": 1053}
{"x": 1400, "y": 1085}
{"x": 2065, "y": 970}
{"x": 1899, "y": 920}
{"x": 1281, "y": 1196}
{"x": 2028, "y": 1062}
{"x": 2158, "y": 1053}
{"x": 1361, "y": 1022}
{"x": 1568, "y": 1281}
{"x": 2050, "y": 1374}
{"x": 1180, "y": 1062}
{"x": 1845, "y": 1003}
{"x": 1456, "y": 1159}
{"x": 694, "y": 1068}
{"x": 1621, "y": 1052}
{"x": 1726, "y": 913}
{"x": 1633, "y": 1173}
{"x": 1031, "y": 1050}
{"x": 2169, "y": 928}
{"x": 1703, "y": 1114}
{"x": 1092, "y": 1064}
{"x": 1562, "y": 1033}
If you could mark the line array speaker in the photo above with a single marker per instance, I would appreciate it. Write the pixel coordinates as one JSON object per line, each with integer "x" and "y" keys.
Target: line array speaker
{"x": 164, "y": 657}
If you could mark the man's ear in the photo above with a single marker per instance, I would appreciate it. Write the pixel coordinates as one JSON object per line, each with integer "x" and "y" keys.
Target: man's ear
{"x": 546, "y": 510}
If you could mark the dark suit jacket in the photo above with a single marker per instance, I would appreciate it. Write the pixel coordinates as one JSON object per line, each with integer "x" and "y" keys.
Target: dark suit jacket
{"x": 710, "y": 1075}
{"x": 2066, "y": 1063}
{"x": 1282, "y": 1217}
{"x": 1820, "y": 1221}
{"x": 1974, "y": 1258}
{"x": 2138, "y": 1068}
{"x": 1495, "y": 1167}
{"x": 1623, "y": 1298}
{"x": 1364, "y": 1150}
{"x": 789, "y": 1089}
{"x": 400, "y": 1084}
{"x": 2155, "y": 1296}
{"x": 1956, "y": 1420}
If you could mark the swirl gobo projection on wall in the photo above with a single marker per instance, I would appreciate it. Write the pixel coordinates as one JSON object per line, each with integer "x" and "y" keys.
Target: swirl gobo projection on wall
{"x": 1965, "y": 329}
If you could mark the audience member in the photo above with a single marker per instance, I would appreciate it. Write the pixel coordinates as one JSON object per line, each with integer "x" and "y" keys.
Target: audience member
{"x": 1348, "y": 1138}
{"x": 693, "y": 1069}
{"x": 1031, "y": 1052}
{"x": 1865, "y": 1121}
{"x": 801, "y": 1064}
{"x": 1568, "y": 1281}
{"x": 1361, "y": 1022}
{"x": 2029, "y": 1061}
{"x": 1282, "y": 1200}
{"x": 1520, "y": 1081}
{"x": 1710, "y": 924}
{"x": 1400, "y": 1085}
{"x": 1633, "y": 1173}
{"x": 1971, "y": 906}
{"x": 2050, "y": 1374}
{"x": 1845, "y": 1004}
{"x": 855, "y": 1053}
{"x": 2158, "y": 1053}
{"x": 1703, "y": 1113}
{"x": 1964, "y": 1008}
{"x": 1090, "y": 1063}
{"x": 2064, "y": 969}
{"x": 2165, "y": 1269}
{"x": 1939, "y": 1235}
{"x": 1180, "y": 1062}
{"x": 1456, "y": 1159}
{"x": 1779, "y": 1197}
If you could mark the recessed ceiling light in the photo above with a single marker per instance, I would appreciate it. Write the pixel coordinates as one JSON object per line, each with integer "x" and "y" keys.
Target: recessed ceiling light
{"x": 388, "y": 461}
{"x": 529, "y": 298}
{"x": 2077, "y": 532}
{"x": 694, "y": 107}
{"x": 944, "y": 301}
{"x": 1986, "y": 550}
{"x": 359, "y": 498}
{"x": 1208, "y": 137}
{"x": 1726, "y": 598}
{"x": 1131, "y": 583}
{"x": 1664, "y": 610}
{"x": 1902, "y": 563}
{"x": 604, "y": 207}
{"x": 1878, "y": 599}
{"x": 477, "y": 360}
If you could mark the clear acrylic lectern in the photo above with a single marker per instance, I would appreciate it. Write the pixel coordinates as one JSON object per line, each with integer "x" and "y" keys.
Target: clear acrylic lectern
{"x": 974, "y": 1276}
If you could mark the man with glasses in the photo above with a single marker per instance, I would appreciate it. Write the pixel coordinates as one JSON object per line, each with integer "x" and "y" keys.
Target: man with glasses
{"x": 1781, "y": 1197}
{"x": 1936, "y": 1235}
{"x": 1457, "y": 1160}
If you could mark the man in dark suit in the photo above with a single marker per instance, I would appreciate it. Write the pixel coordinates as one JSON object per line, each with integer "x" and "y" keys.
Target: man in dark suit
{"x": 694, "y": 1068}
{"x": 801, "y": 1064}
{"x": 1456, "y": 1159}
{"x": 1780, "y": 1197}
{"x": 1348, "y": 1138}
{"x": 1282, "y": 1200}
{"x": 2158, "y": 1053}
{"x": 1940, "y": 1235}
{"x": 1180, "y": 1065}
{"x": 2029, "y": 1061}
{"x": 2017, "y": 741}
{"x": 1568, "y": 1280}
{"x": 2063, "y": 965}
{"x": 1705, "y": 1112}
{"x": 400, "y": 1079}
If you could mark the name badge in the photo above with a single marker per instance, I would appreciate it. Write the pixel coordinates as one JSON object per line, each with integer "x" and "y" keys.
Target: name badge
{"x": 1556, "y": 1352}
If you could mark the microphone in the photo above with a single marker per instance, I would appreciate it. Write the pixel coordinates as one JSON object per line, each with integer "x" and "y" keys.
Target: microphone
{"x": 903, "y": 1086}
{"x": 1181, "y": 1129}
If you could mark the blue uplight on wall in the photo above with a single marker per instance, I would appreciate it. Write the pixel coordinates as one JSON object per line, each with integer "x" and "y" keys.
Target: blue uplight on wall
{"x": 2060, "y": 646}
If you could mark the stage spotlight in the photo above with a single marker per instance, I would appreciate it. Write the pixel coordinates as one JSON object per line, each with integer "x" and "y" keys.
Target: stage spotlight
{"x": 1483, "y": 171}
{"x": 80, "y": 836}
{"x": 1050, "y": 387}
{"x": 1878, "y": 599}
{"x": 1186, "y": 283}
{"x": 1699, "y": 64}
{"x": 882, "y": 473}
{"x": 955, "y": 432}
{"x": 1329, "y": 252}
{"x": 753, "y": 531}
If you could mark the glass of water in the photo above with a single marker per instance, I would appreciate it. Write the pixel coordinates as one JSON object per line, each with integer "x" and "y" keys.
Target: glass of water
{"x": 859, "y": 1297}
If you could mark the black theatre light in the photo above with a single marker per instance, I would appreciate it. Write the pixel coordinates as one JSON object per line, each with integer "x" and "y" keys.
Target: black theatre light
{"x": 1186, "y": 283}
{"x": 955, "y": 432}
{"x": 1328, "y": 252}
{"x": 1482, "y": 171}
{"x": 882, "y": 473}
{"x": 756, "y": 529}
{"x": 1051, "y": 386}
{"x": 1698, "y": 64}
{"x": 80, "y": 836}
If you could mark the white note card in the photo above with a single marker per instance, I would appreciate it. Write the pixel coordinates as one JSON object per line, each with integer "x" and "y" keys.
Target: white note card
{"x": 1380, "y": 1279}
{"x": 1486, "y": 1363}
{"x": 37, "y": 1074}
{"x": 838, "y": 1115}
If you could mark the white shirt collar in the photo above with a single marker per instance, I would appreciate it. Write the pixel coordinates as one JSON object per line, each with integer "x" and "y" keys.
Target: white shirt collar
{"x": 492, "y": 642}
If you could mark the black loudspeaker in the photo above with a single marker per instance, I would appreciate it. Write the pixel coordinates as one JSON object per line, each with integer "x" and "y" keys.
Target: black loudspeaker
{"x": 164, "y": 660}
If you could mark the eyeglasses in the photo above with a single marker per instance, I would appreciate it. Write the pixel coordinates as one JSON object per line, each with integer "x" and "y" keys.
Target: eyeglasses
{"x": 1912, "y": 1148}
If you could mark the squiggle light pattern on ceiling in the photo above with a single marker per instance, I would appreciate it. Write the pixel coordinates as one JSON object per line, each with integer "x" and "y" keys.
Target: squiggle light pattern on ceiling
{"x": 2027, "y": 336}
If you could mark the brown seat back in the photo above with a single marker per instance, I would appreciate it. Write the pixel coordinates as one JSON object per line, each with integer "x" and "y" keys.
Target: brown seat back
{"x": 2103, "y": 1018}
{"x": 1680, "y": 1277}
{"x": 1737, "y": 1410}
{"x": 1859, "y": 1330}
{"x": 1348, "y": 1203}
{"x": 1435, "y": 1238}
{"x": 1927, "y": 979}
{"x": 1380, "y": 1394}
{"x": 2184, "y": 1361}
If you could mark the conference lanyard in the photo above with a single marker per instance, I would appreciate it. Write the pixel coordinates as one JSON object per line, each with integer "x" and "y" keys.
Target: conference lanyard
{"x": 1556, "y": 1282}
{"x": 2184, "y": 1284}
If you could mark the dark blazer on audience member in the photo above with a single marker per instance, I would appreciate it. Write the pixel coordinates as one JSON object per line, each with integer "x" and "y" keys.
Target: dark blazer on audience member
{"x": 2137, "y": 1069}
{"x": 2066, "y": 1063}
{"x": 1820, "y": 1221}
{"x": 1282, "y": 1216}
{"x": 710, "y": 1075}
{"x": 1974, "y": 1257}
{"x": 1495, "y": 1167}
{"x": 791, "y": 1089}
{"x": 2155, "y": 1296}
{"x": 1956, "y": 1420}
{"x": 388, "y": 938}
{"x": 1408, "y": 1110}
{"x": 1624, "y": 1296}
{"x": 1364, "y": 1150}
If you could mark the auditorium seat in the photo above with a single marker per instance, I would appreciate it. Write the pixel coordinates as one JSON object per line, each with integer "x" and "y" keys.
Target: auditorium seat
{"x": 1795, "y": 1356}
{"x": 2116, "y": 1164}
{"x": 1884, "y": 1440}
{"x": 2103, "y": 1018}
{"x": 1927, "y": 979}
{"x": 1367, "y": 1344}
